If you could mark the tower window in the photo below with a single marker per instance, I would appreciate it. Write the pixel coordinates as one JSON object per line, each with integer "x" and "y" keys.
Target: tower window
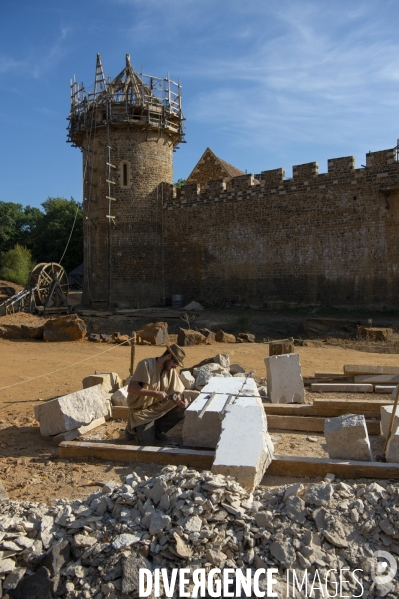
{"x": 124, "y": 174}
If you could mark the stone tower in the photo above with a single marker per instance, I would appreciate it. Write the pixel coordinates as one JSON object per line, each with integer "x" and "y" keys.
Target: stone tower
{"x": 127, "y": 130}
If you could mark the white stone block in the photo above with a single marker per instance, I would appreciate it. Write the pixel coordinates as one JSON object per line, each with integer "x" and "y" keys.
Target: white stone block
{"x": 347, "y": 438}
{"x": 119, "y": 398}
{"x": 392, "y": 452}
{"x": 386, "y": 414}
{"x": 191, "y": 394}
{"x": 245, "y": 449}
{"x": 284, "y": 379}
{"x": 73, "y": 410}
{"x": 187, "y": 379}
{"x": 205, "y": 431}
{"x": 109, "y": 380}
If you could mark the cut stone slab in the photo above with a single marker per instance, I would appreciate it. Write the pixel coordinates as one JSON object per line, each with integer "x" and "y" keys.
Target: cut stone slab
{"x": 77, "y": 432}
{"x": 386, "y": 414}
{"x": 245, "y": 449}
{"x": 109, "y": 380}
{"x": 342, "y": 387}
{"x": 205, "y": 431}
{"x": 284, "y": 379}
{"x": 119, "y": 398}
{"x": 384, "y": 388}
{"x": 72, "y": 411}
{"x": 353, "y": 369}
{"x": 378, "y": 379}
{"x": 347, "y": 438}
{"x": 392, "y": 452}
{"x": 187, "y": 379}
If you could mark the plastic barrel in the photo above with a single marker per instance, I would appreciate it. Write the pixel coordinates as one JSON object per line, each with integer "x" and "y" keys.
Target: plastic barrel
{"x": 177, "y": 302}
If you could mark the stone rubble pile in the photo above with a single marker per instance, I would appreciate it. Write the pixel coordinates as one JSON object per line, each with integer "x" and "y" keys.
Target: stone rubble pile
{"x": 198, "y": 376}
{"x": 93, "y": 548}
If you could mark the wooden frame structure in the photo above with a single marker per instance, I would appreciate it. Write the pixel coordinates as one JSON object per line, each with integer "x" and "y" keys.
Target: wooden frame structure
{"x": 281, "y": 417}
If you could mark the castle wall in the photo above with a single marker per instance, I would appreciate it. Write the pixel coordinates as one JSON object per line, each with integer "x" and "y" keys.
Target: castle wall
{"x": 330, "y": 239}
{"x": 136, "y": 237}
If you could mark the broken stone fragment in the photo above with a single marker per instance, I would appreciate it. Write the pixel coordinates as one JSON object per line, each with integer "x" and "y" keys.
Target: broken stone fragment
{"x": 64, "y": 328}
{"x": 187, "y": 337}
{"x": 347, "y": 438}
{"x": 187, "y": 379}
{"x": 182, "y": 549}
{"x": 154, "y": 333}
{"x": 158, "y": 522}
{"x": 318, "y": 493}
{"x": 236, "y": 369}
{"x": 125, "y": 540}
{"x": 119, "y": 398}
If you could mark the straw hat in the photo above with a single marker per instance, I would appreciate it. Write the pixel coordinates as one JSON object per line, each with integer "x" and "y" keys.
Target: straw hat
{"x": 177, "y": 353}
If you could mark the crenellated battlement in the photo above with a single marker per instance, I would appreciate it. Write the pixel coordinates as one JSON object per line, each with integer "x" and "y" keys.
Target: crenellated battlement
{"x": 306, "y": 177}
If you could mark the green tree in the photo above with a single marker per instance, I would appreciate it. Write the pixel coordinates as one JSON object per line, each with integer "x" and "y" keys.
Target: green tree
{"x": 16, "y": 224}
{"x": 180, "y": 182}
{"x": 16, "y": 264}
{"x": 52, "y": 230}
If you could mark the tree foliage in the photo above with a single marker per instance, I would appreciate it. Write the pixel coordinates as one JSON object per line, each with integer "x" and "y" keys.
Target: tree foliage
{"x": 180, "y": 182}
{"x": 44, "y": 232}
{"x": 16, "y": 264}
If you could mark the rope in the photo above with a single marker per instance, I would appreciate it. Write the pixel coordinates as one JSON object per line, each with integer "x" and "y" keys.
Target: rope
{"x": 64, "y": 367}
{"x": 70, "y": 234}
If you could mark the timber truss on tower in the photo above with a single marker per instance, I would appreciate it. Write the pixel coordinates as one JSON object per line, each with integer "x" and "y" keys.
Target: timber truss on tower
{"x": 131, "y": 98}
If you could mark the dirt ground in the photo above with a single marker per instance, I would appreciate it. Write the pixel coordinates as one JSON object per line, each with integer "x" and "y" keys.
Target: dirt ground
{"x": 34, "y": 370}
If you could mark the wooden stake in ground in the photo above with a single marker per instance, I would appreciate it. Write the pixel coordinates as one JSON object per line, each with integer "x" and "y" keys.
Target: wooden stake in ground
{"x": 132, "y": 352}
{"x": 395, "y": 405}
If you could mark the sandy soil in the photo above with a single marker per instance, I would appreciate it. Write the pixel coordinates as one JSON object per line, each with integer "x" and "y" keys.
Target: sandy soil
{"x": 29, "y": 464}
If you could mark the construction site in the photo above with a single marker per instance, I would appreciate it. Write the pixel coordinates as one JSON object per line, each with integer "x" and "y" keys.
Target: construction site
{"x": 269, "y": 305}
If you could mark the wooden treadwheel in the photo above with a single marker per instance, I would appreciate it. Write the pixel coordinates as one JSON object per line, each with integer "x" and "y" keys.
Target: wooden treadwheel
{"x": 48, "y": 278}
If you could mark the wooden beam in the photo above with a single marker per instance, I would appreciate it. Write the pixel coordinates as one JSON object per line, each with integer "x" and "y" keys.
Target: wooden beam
{"x": 312, "y": 467}
{"x": 311, "y": 424}
{"x": 354, "y": 369}
{"x": 133, "y": 453}
{"x": 280, "y": 466}
{"x": 336, "y": 407}
{"x": 321, "y": 407}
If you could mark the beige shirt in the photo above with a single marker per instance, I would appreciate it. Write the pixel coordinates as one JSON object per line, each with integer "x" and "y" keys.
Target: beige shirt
{"x": 143, "y": 408}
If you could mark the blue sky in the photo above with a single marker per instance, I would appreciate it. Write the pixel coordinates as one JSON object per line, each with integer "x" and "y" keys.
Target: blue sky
{"x": 266, "y": 84}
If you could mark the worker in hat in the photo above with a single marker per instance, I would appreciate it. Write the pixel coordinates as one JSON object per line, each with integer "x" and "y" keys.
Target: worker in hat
{"x": 154, "y": 398}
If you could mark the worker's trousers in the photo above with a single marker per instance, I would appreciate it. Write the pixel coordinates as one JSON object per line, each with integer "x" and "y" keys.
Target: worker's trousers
{"x": 146, "y": 434}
